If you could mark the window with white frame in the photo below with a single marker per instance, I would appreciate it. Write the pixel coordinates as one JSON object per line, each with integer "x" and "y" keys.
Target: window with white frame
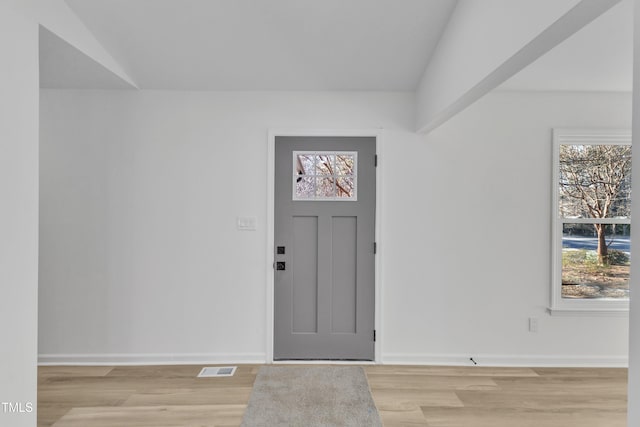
{"x": 591, "y": 220}
{"x": 325, "y": 175}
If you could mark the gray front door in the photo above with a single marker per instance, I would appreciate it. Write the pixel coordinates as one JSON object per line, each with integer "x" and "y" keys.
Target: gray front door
{"x": 324, "y": 248}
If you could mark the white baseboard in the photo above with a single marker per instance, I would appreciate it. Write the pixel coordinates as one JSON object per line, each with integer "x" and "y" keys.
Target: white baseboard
{"x": 506, "y": 360}
{"x": 149, "y": 359}
{"x": 387, "y": 359}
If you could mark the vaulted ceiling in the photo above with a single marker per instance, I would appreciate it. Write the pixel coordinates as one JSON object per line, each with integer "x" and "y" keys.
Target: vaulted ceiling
{"x": 599, "y": 57}
{"x": 268, "y": 45}
{"x": 373, "y": 45}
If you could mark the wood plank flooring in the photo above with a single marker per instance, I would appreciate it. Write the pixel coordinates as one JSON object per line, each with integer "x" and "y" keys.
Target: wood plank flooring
{"x": 161, "y": 396}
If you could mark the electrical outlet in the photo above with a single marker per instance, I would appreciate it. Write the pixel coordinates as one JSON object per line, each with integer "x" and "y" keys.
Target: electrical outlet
{"x": 533, "y": 324}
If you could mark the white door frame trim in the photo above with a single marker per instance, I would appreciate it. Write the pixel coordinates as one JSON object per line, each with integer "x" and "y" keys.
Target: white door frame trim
{"x": 271, "y": 150}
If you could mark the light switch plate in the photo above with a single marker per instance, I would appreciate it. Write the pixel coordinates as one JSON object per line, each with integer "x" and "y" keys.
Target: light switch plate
{"x": 247, "y": 223}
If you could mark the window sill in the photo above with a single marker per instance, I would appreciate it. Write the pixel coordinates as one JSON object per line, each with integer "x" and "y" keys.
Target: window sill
{"x": 588, "y": 312}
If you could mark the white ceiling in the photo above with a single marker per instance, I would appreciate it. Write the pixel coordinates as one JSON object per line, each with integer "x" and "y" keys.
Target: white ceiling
{"x": 269, "y": 45}
{"x": 378, "y": 45}
{"x": 62, "y": 66}
{"x": 599, "y": 57}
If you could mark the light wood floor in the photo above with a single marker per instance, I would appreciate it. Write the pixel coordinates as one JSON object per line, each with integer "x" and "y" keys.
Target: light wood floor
{"x": 158, "y": 396}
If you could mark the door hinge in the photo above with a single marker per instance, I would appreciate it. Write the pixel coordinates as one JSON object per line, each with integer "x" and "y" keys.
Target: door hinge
{"x": 374, "y": 335}
{"x": 375, "y": 248}
{"x": 375, "y": 160}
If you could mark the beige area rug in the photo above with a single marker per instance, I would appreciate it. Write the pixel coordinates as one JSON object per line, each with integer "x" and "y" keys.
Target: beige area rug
{"x": 311, "y": 396}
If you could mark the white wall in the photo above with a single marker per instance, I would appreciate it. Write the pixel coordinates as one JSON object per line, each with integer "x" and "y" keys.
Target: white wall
{"x": 140, "y": 194}
{"x": 18, "y": 216}
{"x": 468, "y": 255}
{"x": 141, "y": 261}
{"x": 633, "y": 399}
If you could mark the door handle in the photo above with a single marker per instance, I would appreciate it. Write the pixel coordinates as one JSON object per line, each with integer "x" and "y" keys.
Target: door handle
{"x": 280, "y": 265}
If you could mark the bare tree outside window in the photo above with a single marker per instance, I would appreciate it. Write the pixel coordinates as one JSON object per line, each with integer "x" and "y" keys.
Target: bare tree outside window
{"x": 595, "y": 182}
{"x": 325, "y": 176}
{"x": 594, "y": 201}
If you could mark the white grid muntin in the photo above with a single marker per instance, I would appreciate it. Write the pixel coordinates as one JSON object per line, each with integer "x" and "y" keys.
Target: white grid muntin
{"x": 558, "y": 304}
{"x": 336, "y": 177}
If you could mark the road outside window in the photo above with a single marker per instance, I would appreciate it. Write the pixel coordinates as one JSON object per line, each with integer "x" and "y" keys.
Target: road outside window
{"x": 592, "y": 218}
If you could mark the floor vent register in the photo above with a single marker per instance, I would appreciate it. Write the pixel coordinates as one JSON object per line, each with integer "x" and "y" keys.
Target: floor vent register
{"x": 217, "y": 371}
